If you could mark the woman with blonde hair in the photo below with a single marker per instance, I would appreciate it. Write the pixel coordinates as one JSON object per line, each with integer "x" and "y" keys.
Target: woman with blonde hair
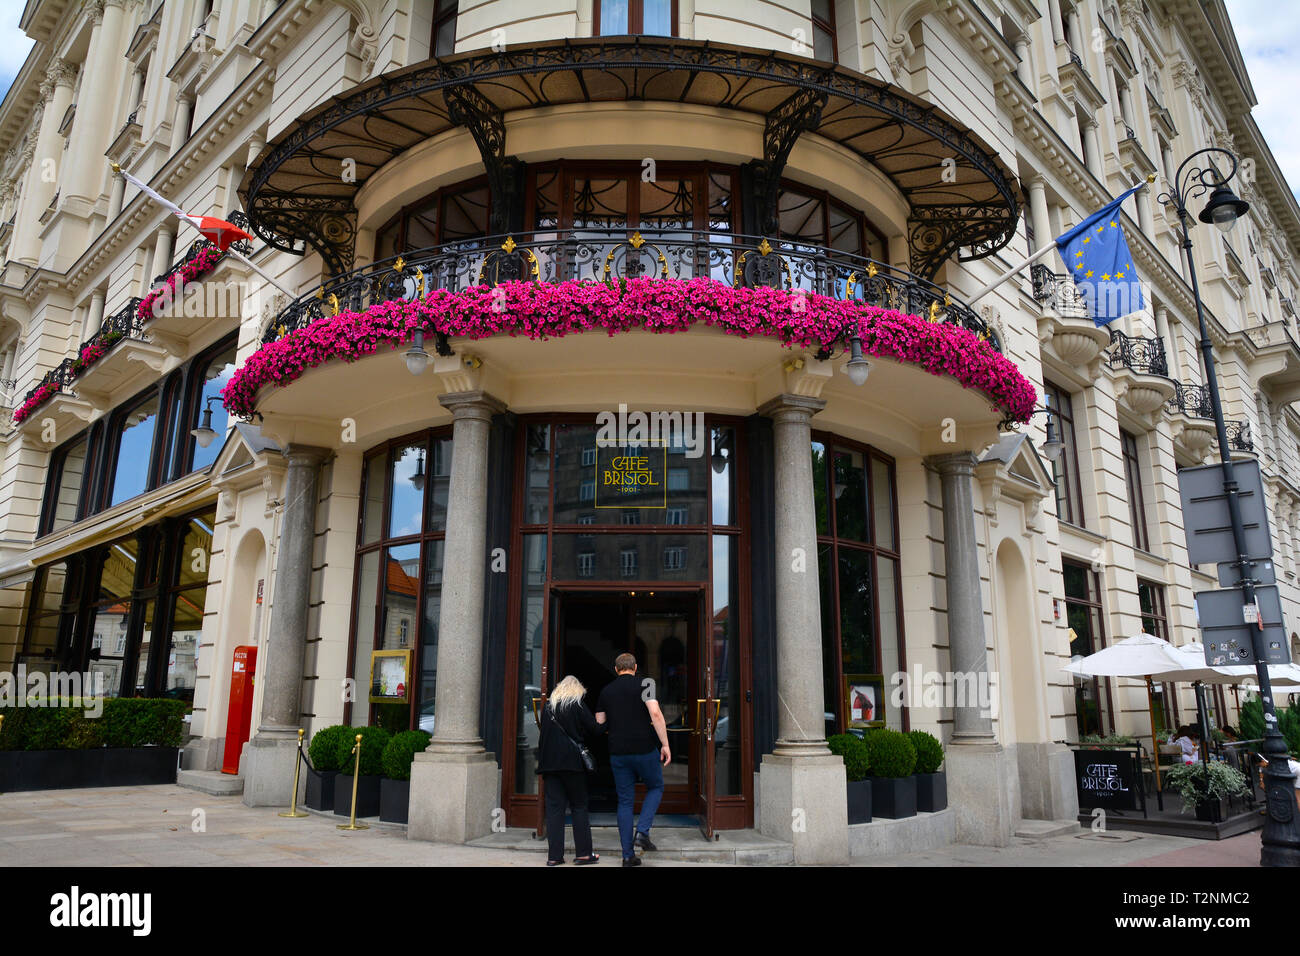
{"x": 564, "y": 761}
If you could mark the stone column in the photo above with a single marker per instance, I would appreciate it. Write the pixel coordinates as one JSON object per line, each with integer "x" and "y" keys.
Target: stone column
{"x": 163, "y": 249}
{"x": 95, "y": 315}
{"x": 56, "y": 96}
{"x": 181, "y": 124}
{"x": 1024, "y": 69}
{"x": 802, "y": 791}
{"x": 92, "y": 130}
{"x": 1091, "y": 147}
{"x": 454, "y": 784}
{"x": 1038, "y": 212}
{"x": 267, "y": 764}
{"x": 981, "y": 778}
{"x": 115, "y": 197}
{"x": 1054, "y": 17}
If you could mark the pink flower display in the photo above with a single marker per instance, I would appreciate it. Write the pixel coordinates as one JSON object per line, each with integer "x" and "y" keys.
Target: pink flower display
{"x": 39, "y": 398}
{"x": 542, "y": 310}
{"x": 195, "y": 268}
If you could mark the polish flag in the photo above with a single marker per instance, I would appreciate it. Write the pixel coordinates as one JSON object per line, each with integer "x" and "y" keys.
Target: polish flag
{"x": 217, "y": 231}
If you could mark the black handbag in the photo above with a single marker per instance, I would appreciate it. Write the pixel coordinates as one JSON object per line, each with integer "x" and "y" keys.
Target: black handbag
{"x": 588, "y": 760}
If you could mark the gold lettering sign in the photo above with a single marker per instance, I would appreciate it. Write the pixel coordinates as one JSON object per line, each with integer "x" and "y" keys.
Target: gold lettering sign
{"x": 631, "y": 480}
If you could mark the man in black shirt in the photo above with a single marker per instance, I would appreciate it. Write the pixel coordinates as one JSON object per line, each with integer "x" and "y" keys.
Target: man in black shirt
{"x": 638, "y": 750}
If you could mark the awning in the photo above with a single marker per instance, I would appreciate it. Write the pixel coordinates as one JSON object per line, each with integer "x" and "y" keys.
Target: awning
{"x": 962, "y": 197}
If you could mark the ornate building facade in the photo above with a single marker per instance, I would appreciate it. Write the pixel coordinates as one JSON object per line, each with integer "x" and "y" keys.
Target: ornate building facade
{"x": 542, "y": 176}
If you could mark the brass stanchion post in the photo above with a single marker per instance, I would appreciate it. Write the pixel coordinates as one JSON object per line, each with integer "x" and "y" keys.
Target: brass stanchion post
{"x": 356, "y": 773}
{"x": 293, "y": 798}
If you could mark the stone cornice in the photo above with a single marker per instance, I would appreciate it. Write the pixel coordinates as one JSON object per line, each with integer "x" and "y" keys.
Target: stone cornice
{"x": 279, "y": 29}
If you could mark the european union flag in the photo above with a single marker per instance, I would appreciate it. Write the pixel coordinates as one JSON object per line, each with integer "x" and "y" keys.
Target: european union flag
{"x": 1096, "y": 254}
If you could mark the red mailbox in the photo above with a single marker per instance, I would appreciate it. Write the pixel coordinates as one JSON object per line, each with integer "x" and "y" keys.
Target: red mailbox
{"x": 239, "y": 718}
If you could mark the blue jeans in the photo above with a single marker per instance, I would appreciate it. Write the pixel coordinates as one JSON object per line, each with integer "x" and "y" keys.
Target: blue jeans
{"x": 628, "y": 769}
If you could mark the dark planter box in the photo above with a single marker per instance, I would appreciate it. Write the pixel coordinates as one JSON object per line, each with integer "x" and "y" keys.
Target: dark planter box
{"x": 859, "y": 801}
{"x": 394, "y": 800}
{"x": 367, "y": 795}
{"x": 893, "y": 797}
{"x": 101, "y": 767}
{"x": 1211, "y": 811}
{"x": 320, "y": 789}
{"x": 931, "y": 792}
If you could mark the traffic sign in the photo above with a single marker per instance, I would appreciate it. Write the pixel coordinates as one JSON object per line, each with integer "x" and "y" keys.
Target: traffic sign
{"x": 1228, "y": 626}
{"x": 1205, "y": 513}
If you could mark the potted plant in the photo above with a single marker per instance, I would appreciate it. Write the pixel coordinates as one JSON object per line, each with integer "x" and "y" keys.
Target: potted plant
{"x": 893, "y": 788}
{"x": 373, "y": 742}
{"x": 395, "y": 788}
{"x": 322, "y": 753}
{"x": 1204, "y": 787}
{"x": 856, "y": 763}
{"x": 99, "y": 742}
{"x": 931, "y": 782}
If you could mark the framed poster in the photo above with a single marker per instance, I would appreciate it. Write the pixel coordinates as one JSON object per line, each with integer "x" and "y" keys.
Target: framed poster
{"x": 864, "y": 700}
{"x": 390, "y": 676}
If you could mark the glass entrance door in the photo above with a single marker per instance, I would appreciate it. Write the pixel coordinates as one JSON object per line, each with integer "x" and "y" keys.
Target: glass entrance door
{"x": 662, "y": 632}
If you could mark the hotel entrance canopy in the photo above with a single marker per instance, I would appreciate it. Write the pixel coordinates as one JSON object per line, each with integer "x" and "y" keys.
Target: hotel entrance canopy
{"x": 961, "y": 198}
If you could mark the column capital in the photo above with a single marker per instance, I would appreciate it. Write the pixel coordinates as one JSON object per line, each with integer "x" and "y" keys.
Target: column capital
{"x": 306, "y": 454}
{"x": 1036, "y": 181}
{"x": 471, "y": 405}
{"x": 787, "y": 407}
{"x": 956, "y": 463}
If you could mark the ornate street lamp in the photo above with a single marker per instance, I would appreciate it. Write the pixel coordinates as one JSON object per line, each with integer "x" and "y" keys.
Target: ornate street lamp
{"x": 1281, "y": 837}
{"x": 205, "y": 433}
{"x": 417, "y": 359}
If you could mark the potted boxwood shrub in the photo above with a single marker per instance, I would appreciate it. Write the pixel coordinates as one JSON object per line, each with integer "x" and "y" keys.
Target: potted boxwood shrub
{"x": 373, "y": 742}
{"x": 323, "y": 753}
{"x": 1204, "y": 786}
{"x": 395, "y": 788}
{"x": 893, "y": 788}
{"x": 931, "y": 782}
{"x": 856, "y": 763}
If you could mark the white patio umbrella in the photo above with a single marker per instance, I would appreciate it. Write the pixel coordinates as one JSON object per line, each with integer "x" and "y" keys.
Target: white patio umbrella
{"x": 1142, "y": 656}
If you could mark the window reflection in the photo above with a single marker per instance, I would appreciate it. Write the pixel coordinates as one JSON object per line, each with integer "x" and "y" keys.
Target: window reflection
{"x": 131, "y": 473}
{"x": 215, "y": 377}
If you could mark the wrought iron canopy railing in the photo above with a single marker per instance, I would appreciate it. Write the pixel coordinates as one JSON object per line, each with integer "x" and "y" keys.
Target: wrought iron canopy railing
{"x": 611, "y": 255}
{"x": 1138, "y": 354}
{"x": 962, "y": 198}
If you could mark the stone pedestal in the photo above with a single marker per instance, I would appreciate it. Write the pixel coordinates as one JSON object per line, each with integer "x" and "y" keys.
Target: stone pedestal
{"x": 453, "y": 796}
{"x": 267, "y": 768}
{"x": 982, "y": 786}
{"x": 804, "y": 800}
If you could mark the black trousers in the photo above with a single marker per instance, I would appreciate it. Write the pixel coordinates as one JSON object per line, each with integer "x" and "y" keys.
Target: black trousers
{"x": 567, "y": 789}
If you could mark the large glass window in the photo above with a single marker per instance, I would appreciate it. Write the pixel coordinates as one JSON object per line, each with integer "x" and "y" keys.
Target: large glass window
{"x": 1065, "y": 470}
{"x": 213, "y": 377}
{"x": 133, "y": 462}
{"x": 443, "y": 42}
{"x": 1083, "y": 614}
{"x": 620, "y": 510}
{"x": 399, "y": 573}
{"x": 67, "y": 484}
{"x": 823, "y": 31}
{"x": 858, "y": 561}
{"x": 1136, "y": 501}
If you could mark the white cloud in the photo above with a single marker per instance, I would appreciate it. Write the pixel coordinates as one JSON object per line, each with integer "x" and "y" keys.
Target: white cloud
{"x": 1270, "y": 43}
{"x": 14, "y": 44}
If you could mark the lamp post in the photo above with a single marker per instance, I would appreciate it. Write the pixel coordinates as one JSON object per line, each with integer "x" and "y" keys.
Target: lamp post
{"x": 1281, "y": 837}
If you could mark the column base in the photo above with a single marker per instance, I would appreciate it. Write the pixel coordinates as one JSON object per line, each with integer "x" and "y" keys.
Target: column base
{"x": 203, "y": 753}
{"x": 1047, "y": 790}
{"x": 804, "y": 800}
{"x": 267, "y": 768}
{"x": 982, "y": 780}
{"x": 453, "y": 796}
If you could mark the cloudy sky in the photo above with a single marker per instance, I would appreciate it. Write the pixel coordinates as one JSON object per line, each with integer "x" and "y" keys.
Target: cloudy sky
{"x": 1270, "y": 43}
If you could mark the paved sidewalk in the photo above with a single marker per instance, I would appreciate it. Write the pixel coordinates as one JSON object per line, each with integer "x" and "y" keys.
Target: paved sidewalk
{"x": 154, "y": 826}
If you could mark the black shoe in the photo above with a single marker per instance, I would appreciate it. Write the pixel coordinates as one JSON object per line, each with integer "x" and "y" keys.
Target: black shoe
{"x": 643, "y": 841}
{"x": 632, "y": 861}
